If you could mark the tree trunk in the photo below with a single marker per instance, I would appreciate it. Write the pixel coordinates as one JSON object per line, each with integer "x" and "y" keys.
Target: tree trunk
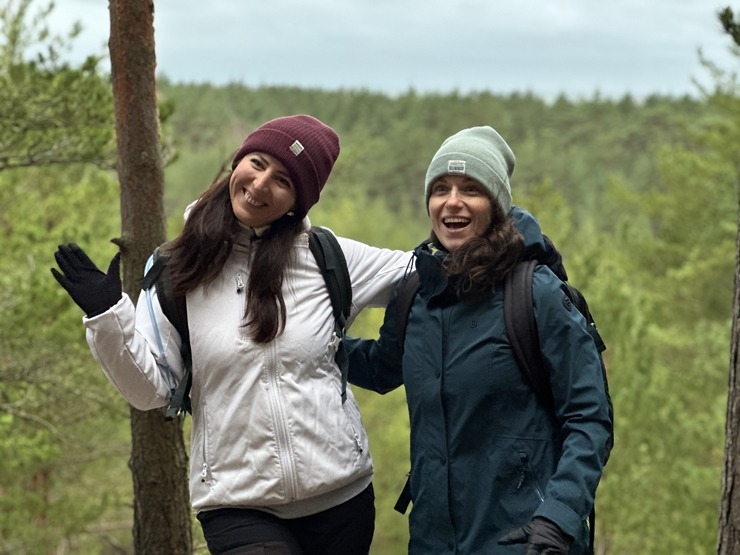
{"x": 158, "y": 463}
{"x": 728, "y": 542}
{"x": 728, "y": 537}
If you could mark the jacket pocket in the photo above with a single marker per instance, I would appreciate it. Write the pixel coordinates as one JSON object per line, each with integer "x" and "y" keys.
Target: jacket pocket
{"x": 355, "y": 424}
{"x": 528, "y": 479}
{"x": 206, "y": 475}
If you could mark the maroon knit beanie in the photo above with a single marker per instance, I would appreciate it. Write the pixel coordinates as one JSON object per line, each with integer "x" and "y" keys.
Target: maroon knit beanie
{"x": 306, "y": 147}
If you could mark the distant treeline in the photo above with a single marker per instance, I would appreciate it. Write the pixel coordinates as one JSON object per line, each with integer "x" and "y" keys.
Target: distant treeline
{"x": 387, "y": 142}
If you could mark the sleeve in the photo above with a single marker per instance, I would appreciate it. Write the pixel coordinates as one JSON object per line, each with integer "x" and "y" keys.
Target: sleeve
{"x": 581, "y": 405}
{"x": 376, "y": 364}
{"x": 373, "y": 271}
{"x": 123, "y": 341}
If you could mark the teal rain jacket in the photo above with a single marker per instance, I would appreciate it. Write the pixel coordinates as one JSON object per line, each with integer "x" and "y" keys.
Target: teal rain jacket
{"x": 486, "y": 457}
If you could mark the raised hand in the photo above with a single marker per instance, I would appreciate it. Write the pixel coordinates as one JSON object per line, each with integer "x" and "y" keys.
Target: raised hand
{"x": 92, "y": 290}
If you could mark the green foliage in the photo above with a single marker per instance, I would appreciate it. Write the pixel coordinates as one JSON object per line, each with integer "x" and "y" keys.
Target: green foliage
{"x": 49, "y": 384}
{"x": 50, "y": 113}
{"x": 50, "y": 388}
{"x": 661, "y": 288}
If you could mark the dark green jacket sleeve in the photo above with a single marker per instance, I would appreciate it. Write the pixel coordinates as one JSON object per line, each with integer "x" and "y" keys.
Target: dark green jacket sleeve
{"x": 376, "y": 364}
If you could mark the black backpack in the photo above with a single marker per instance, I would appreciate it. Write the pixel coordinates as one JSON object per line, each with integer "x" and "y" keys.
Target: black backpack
{"x": 521, "y": 329}
{"x": 333, "y": 266}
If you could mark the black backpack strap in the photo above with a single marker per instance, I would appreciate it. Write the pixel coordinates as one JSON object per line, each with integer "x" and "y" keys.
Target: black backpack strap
{"x": 591, "y": 531}
{"x": 333, "y": 266}
{"x": 405, "y": 295}
{"x": 175, "y": 310}
{"x": 404, "y": 499}
{"x": 521, "y": 329}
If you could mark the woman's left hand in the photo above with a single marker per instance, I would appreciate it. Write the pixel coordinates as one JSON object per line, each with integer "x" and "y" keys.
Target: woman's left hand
{"x": 542, "y": 538}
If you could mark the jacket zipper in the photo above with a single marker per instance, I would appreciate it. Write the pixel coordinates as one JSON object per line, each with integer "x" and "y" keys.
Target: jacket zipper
{"x": 358, "y": 439}
{"x": 282, "y": 437}
{"x": 205, "y": 473}
{"x": 527, "y": 474}
{"x": 240, "y": 289}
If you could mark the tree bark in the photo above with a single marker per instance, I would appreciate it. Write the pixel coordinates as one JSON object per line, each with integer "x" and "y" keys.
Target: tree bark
{"x": 728, "y": 536}
{"x": 162, "y": 522}
{"x": 728, "y": 541}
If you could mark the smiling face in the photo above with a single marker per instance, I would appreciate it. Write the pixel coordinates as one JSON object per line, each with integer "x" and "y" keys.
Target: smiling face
{"x": 460, "y": 209}
{"x": 261, "y": 190}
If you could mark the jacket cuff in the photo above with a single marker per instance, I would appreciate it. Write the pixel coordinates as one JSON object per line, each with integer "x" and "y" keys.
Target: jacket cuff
{"x": 566, "y": 518}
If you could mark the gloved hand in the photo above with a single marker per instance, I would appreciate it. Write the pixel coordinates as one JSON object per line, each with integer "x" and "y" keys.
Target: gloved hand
{"x": 92, "y": 290}
{"x": 541, "y": 536}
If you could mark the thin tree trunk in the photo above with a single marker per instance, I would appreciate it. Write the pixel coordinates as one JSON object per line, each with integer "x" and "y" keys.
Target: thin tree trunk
{"x": 158, "y": 462}
{"x": 728, "y": 539}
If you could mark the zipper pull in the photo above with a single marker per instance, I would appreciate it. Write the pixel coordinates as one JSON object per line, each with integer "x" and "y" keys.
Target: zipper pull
{"x": 204, "y": 473}
{"x": 239, "y": 283}
{"x": 522, "y": 477}
{"x": 523, "y": 473}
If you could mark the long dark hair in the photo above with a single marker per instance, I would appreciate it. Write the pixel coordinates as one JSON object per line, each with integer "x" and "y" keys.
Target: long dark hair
{"x": 482, "y": 262}
{"x": 199, "y": 253}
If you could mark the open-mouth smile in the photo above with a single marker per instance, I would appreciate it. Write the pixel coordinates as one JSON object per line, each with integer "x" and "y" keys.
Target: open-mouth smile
{"x": 454, "y": 223}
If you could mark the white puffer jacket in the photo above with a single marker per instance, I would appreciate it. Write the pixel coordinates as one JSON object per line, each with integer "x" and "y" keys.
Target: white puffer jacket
{"x": 269, "y": 429}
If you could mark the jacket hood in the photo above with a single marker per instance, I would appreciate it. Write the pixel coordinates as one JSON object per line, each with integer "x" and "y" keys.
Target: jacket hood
{"x": 537, "y": 246}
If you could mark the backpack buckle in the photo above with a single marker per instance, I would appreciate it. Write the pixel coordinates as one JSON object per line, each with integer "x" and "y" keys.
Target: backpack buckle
{"x": 336, "y": 339}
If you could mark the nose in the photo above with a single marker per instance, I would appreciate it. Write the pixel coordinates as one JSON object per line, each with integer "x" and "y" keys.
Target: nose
{"x": 454, "y": 198}
{"x": 261, "y": 180}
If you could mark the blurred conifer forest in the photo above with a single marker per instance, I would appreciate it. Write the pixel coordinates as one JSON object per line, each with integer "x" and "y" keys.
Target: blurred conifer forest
{"x": 640, "y": 196}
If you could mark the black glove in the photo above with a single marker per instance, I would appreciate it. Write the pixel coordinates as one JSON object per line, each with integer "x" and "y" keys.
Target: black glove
{"x": 542, "y": 538}
{"x": 92, "y": 290}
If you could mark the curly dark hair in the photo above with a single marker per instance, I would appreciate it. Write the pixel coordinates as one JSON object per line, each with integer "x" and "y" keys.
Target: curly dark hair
{"x": 199, "y": 253}
{"x": 477, "y": 266}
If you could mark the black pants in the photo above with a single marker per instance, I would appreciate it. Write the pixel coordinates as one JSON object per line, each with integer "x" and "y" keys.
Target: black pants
{"x": 343, "y": 530}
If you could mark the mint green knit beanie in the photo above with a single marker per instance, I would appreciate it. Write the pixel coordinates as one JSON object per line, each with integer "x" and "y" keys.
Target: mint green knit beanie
{"x": 479, "y": 153}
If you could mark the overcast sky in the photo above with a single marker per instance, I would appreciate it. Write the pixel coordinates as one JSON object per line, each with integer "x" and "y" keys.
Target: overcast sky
{"x": 577, "y": 47}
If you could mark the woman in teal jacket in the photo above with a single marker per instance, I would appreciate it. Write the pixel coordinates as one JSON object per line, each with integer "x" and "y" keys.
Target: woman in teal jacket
{"x": 492, "y": 470}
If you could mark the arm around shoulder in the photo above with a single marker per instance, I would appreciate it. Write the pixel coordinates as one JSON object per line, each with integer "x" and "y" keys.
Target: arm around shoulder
{"x": 373, "y": 271}
{"x": 376, "y": 364}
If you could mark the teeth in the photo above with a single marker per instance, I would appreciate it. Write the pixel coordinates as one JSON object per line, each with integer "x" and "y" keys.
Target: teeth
{"x": 456, "y": 220}
{"x": 251, "y": 200}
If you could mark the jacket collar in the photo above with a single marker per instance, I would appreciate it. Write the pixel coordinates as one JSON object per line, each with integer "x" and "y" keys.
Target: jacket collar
{"x": 433, "y": 281}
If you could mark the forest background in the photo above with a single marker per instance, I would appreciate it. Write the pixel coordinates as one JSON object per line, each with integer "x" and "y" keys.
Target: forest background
{"x": 641, "y": 196}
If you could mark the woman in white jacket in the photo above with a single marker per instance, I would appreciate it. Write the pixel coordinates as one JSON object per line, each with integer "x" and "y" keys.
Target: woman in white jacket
{"x": 279, "y": 465}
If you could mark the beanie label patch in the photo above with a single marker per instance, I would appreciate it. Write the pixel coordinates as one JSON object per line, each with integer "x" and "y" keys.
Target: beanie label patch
{"x": 456, "y": 166}
{"x": 296, "y": 148}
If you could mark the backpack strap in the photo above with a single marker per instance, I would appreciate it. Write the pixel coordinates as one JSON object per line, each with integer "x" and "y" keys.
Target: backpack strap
{"x": 333, "y": 266}
{"x": 175, "y": 310}
{"x": 521, "y": 329}
{"x": 405, "y": 295}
